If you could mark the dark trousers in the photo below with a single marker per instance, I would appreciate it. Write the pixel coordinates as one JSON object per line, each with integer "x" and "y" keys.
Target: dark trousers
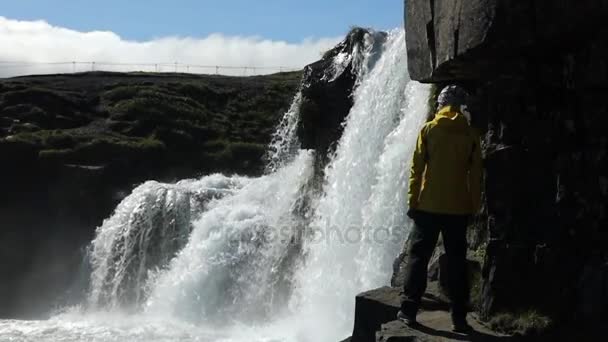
{"x": 422, "y": 242}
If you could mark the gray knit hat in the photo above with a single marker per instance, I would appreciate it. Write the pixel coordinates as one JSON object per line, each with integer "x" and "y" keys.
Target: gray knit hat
{"x": 452, "y": 95}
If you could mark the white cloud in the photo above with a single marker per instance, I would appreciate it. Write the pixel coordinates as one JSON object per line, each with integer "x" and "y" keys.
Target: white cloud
{"x": 29, "y": 46}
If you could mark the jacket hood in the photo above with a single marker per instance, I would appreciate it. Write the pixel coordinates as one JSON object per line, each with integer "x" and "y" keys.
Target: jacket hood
{"x": 453, "y": 114}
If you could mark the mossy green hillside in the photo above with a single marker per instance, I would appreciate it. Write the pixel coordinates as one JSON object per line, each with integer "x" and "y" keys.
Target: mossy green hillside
{"x": 210, "y": 123}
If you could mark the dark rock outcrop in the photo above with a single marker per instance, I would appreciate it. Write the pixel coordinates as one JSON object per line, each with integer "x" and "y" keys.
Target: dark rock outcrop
{"x": 539, "y": 72}
{"x": 376, "y": 311}
{"x": 372, "y": 309}
{"x": 72, "y": 146}
{"x": 327, "y": 88}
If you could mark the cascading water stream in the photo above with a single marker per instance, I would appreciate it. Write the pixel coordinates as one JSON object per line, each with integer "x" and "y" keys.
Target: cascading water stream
{"x": 361, "y": 215}
{"x": 146, "y": 231}
{"x": 237, "y": 262}
{"x": 244, "y": 259}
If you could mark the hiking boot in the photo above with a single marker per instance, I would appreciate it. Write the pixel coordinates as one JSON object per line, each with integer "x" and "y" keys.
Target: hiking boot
{"x": 461, "y": 326}
{"x": 409, "y": 320}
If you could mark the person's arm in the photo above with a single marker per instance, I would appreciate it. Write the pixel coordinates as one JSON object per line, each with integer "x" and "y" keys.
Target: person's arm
{"x": 417, "y": 170}
{"x": 475, "y": 175}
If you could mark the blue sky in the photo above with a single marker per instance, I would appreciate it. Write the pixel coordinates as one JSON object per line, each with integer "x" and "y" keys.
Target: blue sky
{"x": 56, "y": 36}
{"x": 289, "y": 20}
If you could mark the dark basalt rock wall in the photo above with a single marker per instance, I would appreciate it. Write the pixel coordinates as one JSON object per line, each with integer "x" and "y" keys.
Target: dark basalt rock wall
{"x": 72, "y": 146}
{"x": 479, "y": 39}
{"x": 539, "y": 70}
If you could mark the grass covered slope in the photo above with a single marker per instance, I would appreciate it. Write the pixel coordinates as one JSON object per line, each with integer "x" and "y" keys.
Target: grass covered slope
{"x": 206, "y": 123}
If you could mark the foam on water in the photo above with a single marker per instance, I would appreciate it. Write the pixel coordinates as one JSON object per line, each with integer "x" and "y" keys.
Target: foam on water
{"x": 236, "y": 264}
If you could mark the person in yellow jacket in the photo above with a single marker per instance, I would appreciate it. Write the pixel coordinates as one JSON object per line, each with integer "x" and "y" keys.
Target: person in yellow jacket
{"x": 444, "y": 192}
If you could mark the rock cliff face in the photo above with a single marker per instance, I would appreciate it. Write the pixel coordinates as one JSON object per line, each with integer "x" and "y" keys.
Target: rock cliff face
{"x": 539, "y": 72}
{"x": 484, "y": 39}
{"x": 72, "y": 146}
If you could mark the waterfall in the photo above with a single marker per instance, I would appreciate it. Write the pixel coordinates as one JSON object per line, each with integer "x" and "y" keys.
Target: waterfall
{"x": 145, "y": 232}
{"x": 360, "y": 218}
{"x": 236, "y": 263}
{"x": 284, "y": 143}
{"x": 262, "y": 259}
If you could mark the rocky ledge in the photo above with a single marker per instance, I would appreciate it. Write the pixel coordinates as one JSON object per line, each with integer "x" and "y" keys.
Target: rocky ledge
{"x": 376, "y": 311}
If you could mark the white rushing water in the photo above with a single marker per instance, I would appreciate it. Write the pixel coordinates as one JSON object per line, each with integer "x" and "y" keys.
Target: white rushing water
{"x": 259, "y": 259}
{"x": 361, "y": 215}
{"x": 146, "y": 231}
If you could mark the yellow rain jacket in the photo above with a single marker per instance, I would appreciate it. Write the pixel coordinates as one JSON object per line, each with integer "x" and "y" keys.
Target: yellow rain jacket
{"x": 446, "y": 170}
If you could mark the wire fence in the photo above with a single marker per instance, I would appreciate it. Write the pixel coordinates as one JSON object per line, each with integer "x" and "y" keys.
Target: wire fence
{"x": 16, "y": 68}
